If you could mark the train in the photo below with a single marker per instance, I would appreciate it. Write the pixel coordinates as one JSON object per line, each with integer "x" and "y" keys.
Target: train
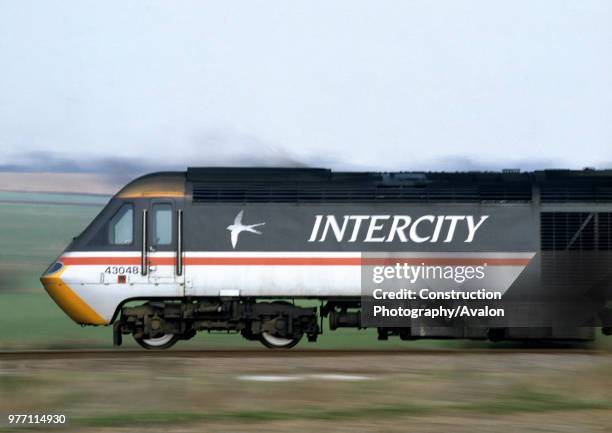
{"x": 275, "y": 254}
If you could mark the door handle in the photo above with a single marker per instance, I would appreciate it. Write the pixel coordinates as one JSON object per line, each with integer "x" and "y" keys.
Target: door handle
{"x": 143, "y": 254}
{"x": 179, "y": 243}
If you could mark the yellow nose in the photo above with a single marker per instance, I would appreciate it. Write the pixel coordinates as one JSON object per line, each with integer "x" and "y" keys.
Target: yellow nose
{"x": 69, "y": 301}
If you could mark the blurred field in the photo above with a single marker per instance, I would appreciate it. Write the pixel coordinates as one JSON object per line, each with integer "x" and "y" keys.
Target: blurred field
{"x": 35, "y": 228}
{"x": 365, "y": 393}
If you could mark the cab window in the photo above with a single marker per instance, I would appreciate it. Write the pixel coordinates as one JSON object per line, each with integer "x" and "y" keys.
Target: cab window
{"x": 121, "y": 226}
{"x": 162, "y": 223}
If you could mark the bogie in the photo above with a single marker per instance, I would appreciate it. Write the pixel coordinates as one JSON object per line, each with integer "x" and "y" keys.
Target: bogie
{"x": 275, "y": 324}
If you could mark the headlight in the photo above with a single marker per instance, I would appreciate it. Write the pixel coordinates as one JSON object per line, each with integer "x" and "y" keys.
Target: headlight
{"x": 54, "y": 268}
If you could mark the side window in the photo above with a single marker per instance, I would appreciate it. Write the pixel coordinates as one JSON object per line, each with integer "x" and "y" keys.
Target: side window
{"x": 121, "y": 226}
{"x": 162, "y": 224}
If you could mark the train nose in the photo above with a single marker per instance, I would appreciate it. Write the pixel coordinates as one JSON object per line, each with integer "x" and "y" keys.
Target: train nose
{"x": 66, "y": 298}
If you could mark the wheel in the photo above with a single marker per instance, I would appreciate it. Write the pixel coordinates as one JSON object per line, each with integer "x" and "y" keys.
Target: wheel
{"x": 164, "y": 342}
{"x": 273, "y": 342}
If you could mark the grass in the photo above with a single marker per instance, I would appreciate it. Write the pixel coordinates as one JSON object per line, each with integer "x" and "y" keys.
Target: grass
{"x": 526, "y": 401}
{"x": 529, "y": 402}
{"x": 33, "y": 320}
{"x": 33, "y": 235}
{"x": 208, "y": 393}
{"x": 251, "y": 416}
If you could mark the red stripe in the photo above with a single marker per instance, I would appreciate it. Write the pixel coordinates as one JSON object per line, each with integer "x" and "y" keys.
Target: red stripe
{"x": 298, "y": 261}
{"x": 126, "y": 261}
{"x": 275, "y": 261}
{"x": 352, "y": 261}
{"x": 444, "y": 261}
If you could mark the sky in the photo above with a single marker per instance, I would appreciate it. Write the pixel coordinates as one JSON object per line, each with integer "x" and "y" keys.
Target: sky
{"x": 354, "y": 85}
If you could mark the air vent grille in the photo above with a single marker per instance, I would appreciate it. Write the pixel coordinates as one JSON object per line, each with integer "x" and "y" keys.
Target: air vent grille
{"x": 576, "y": 231}
{"x": 355, "y": 193}
{"x": 576, "y": 193}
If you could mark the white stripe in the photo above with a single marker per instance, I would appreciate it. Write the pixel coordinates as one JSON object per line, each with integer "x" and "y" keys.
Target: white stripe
{"x": 274, "y": 254}
{"x": 101, "y": 254}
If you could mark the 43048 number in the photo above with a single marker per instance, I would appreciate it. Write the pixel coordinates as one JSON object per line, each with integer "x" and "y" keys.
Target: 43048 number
{"x": 122, "y": 270}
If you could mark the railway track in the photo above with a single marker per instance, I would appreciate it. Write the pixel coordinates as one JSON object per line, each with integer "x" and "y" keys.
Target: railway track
{"x": 249, "y": 353}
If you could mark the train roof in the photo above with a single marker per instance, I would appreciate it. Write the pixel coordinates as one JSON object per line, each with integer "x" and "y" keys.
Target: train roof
{"x": 160, "y": 184}
{"x": 257, "y": 184}
{"x": 299, "y": 174}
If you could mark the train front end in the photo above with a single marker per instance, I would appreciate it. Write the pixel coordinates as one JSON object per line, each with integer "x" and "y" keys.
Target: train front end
{"x": 67, "y": 298}
{"x": 103, "y": 267}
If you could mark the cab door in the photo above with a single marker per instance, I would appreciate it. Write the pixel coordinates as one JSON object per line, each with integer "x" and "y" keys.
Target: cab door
{"x": 163, "y": 244}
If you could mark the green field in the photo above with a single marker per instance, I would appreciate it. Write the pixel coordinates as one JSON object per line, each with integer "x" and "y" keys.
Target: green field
{"x": 35, "y": 228}
{"x": 370, "y": 393}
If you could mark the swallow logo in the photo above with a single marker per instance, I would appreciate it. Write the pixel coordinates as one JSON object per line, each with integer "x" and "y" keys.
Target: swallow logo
{"x": 238, "y": 228}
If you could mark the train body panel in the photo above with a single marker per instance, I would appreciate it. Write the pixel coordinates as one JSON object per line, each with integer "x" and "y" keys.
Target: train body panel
{"x": 283, "y": 233}
{"x": 103, "y": 280}
{"x": 272, "y": 275}
{"x": 329, "y": 274}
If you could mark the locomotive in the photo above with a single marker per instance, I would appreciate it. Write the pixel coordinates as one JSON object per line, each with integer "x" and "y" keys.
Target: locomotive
{"x": 271, "y": 252}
